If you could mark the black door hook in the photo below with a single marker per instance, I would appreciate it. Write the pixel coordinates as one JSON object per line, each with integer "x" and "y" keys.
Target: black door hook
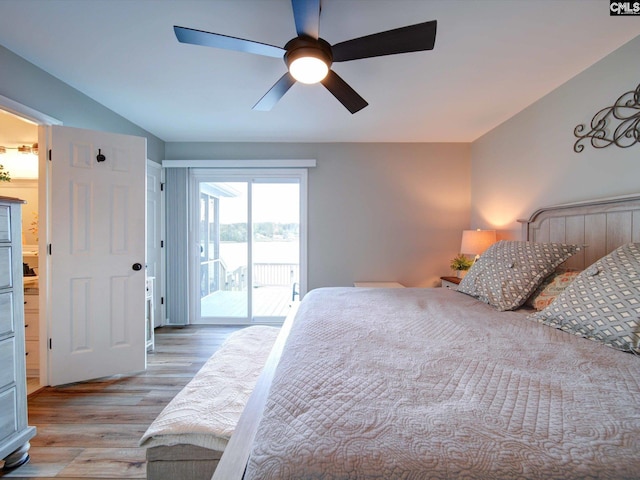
{"x": 100, "y": 157}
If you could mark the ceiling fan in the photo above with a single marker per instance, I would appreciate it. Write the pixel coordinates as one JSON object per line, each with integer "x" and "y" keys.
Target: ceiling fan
{"x": 308, "y": 57}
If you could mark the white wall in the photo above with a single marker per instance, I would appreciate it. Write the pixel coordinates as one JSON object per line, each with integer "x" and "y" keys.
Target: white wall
{"x": 529, "y": 162}
{"x": 376, "y": 211}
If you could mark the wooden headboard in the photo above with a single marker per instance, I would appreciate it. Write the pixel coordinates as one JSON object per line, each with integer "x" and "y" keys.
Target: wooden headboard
{"x": 600, "y": 226}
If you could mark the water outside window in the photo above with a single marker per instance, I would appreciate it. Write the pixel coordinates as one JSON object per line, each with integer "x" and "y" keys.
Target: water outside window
{"x": 276, "y": 247}
{"x": 242, "y": 279}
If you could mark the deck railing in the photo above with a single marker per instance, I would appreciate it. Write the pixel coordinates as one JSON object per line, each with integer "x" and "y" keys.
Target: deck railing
{"x": 275, "y": 274}
{"x": 215, "y": 276}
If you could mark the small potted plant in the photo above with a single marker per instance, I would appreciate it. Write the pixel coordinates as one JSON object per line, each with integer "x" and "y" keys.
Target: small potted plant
{"x": 4, "y": 175}
{"x": 461, "y": 264}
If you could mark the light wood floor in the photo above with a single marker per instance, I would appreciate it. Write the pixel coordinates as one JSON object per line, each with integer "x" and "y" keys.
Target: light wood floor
{"x": 92, "y": 429}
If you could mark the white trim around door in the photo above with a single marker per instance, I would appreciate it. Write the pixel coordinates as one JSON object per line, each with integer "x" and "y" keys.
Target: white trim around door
{"x": 250, "y": 177}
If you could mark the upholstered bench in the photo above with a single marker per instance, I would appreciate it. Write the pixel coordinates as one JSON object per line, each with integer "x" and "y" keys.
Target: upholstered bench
{"x": 187, "y": 439}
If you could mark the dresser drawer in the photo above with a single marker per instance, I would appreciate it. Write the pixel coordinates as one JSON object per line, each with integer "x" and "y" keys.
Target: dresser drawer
{"x": 6, "y": 313}
{"x": 5, "y": 223}
{"x": 7, "y": 360}
{"x": 5, "y": 267}
{"x": 8, "y": 413}
{"x": 31, "y": 303}
{"x": 33, "y": 355}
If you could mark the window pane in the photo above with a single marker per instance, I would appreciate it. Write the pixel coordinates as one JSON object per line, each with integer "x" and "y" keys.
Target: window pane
{"x": 226, "y": 253}
{"x": 276, "y": 247}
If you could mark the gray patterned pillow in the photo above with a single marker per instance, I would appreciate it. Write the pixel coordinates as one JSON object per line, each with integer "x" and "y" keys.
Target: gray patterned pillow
{"x": 509, "y": 271}
{"x": 603, "y": 302}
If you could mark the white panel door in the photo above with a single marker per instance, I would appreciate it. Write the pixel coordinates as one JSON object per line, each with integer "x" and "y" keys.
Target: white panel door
{"x": 96, "y": 275}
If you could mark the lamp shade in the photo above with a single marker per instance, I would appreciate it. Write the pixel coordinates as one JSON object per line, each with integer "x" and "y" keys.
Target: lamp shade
{"x": 474, "y": 242}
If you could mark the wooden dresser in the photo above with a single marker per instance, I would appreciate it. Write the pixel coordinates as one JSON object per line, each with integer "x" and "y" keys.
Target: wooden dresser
{"x": 14, "y": 431}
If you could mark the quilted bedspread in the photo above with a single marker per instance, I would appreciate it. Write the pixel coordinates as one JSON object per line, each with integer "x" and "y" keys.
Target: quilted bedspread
{"x": 431, "y": 383}
{"x": 205, "y": 412}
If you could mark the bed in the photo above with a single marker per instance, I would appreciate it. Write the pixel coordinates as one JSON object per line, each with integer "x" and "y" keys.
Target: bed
{"x": 434, "y": 383}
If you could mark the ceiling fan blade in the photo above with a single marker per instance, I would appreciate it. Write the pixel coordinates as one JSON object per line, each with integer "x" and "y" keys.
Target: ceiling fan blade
{"x": 413, "y": 38}
{"x": 343, "y": 92}
{"x": 208, "y": 39}
{"x": 306, "y": 14}
{"x": 269, "y": 100}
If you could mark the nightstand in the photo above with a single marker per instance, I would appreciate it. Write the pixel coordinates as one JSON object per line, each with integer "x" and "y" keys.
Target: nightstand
{"x": 450, "y": 282}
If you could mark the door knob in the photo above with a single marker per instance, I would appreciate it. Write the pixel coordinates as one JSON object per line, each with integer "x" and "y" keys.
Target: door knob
{"x": 136, "y": 266}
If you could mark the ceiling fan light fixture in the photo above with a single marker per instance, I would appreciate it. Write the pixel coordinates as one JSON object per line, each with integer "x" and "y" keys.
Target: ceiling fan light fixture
{"x": 308, "y": 70}
{"x": 308, "y": 59}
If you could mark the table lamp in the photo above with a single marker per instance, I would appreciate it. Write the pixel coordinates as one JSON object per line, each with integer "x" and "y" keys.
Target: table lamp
{"x": 475, "y": 242}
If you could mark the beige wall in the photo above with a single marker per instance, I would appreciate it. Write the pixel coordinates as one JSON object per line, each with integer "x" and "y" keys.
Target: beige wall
{"x": 529, "y": 162}
{"x": 387, "y": 212}
{"x": 376, "y": 211}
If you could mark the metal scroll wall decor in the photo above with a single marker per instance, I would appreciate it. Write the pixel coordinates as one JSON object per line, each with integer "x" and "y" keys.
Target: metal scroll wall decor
{"x": 616, "y": 125}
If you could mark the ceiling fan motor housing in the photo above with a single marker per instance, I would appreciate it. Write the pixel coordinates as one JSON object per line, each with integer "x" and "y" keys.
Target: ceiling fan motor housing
{"x": 305, "y": 46}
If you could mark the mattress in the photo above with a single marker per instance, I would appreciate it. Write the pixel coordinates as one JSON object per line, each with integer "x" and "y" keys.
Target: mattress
{"x": 431, "y": 383}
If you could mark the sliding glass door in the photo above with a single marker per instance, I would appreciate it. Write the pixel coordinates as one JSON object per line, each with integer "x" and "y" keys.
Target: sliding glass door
{"x": 276, "y": 247}
{"x": 224, "y": 250}
{"x": 251, "y": 245}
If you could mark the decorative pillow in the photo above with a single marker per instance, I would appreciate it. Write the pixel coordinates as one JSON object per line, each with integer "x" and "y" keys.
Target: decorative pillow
{"x": 552, "y": 286}
{"x": 603, "y": 302}
{"x": 509, "y": 271}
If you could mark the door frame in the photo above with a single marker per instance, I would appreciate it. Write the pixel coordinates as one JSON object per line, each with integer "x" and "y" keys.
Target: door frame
{"x": 197, "y": 175}
{"x": 44, "y": 123}
{"x": 160, "y": 283}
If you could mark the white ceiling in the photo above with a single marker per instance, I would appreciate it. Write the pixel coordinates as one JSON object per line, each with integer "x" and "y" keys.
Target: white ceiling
{"x": 492, "y": 58}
